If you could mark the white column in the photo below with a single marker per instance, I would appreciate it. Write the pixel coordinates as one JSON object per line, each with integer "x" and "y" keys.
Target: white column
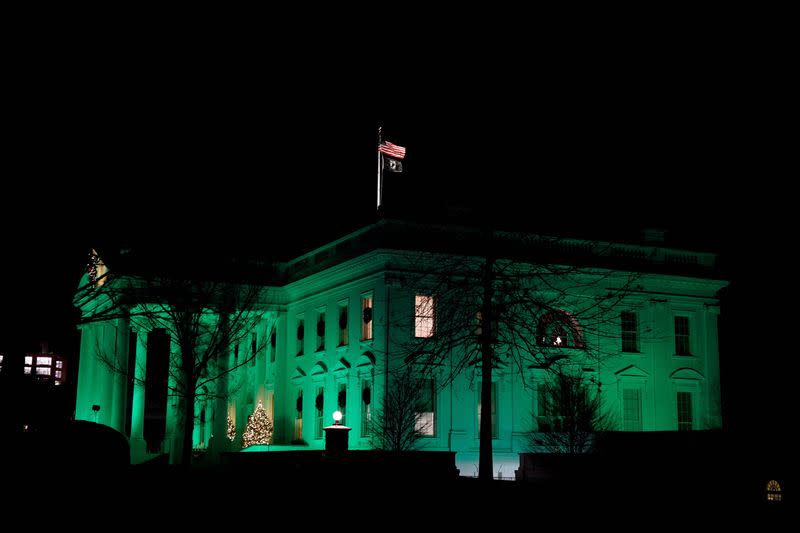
{"x": 120, "y": 389}
{"x": 138, "y": 446}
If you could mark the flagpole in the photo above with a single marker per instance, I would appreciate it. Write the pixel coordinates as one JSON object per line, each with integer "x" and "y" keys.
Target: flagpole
{"x": 380, "y": 168}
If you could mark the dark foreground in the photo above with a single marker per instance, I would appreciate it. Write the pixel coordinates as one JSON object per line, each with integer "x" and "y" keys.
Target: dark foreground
{"x": 658, "y": 478}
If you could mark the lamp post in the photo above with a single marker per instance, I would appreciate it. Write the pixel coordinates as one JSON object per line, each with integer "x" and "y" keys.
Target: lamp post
{"x": 336, "y": 436}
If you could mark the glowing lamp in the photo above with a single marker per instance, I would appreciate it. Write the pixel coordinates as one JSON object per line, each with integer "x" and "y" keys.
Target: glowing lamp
{"x": 337, "y": 417}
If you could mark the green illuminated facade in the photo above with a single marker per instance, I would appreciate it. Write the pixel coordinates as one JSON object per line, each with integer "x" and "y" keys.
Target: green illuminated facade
{"x": 332, "y": 316}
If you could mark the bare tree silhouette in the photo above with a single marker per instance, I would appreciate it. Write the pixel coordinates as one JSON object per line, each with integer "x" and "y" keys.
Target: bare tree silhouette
{"x": 513, "y": 300}
{"x": 570, "y": 414}
{"x": 398, "y": 423}
{"x": 204, "y": 319}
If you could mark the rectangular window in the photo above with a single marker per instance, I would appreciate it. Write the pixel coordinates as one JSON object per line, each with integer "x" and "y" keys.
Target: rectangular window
{"x": 343, "y": 322}
{"x": 341, "y": 402}
{"x": 366, "y": 317}
{"x": 684, "y": 411}
{"x": 298, "y": 417}
{"x": 27, "y": 370}
{"x": 28, "y": 360}
{"x": 44, "y": 361}
{"x": 42, "y": 370}
{"x": 494, "y": 409}
{"x": 426, "y": 409}
{"x": 542, "y": 409}
{"x": 682, "y": 335}
{"x": 631, "y": 410}
{"x": 253, "y": 348}
{"x": 319, "y": 406}
{"x": 321, "y": 329}
{"x": 366, "y": 407}
{"x": 58, "y": 374}
{"x": 423, "y": 316}
{"x": 301, "y": 334}
{"x": 59, "y": 364}
{"x": 630, "y": 331}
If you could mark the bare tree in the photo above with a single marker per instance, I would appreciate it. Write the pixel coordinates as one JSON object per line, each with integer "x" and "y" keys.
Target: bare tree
{"x": 515, "y": 303}
{"x": 399, "y": 423}
{"x": 571, "y": 414}
{"x": 203, "y": 319}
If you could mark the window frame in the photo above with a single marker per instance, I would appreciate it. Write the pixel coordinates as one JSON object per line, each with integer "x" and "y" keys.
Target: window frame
{"x": 424, "y": 323}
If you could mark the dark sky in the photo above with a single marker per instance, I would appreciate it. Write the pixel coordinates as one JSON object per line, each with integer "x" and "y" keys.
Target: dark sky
{"x": 262, "y": 150}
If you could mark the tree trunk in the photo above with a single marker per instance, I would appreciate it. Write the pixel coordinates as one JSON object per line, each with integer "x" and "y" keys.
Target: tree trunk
{"x": 188, "y": 426}
{"x": 485, "y": 466}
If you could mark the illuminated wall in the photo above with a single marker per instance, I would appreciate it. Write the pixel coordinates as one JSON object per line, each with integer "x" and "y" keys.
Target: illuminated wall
{"x": 665, "y": 377}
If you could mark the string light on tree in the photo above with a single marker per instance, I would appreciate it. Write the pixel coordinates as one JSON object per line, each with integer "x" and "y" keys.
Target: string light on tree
{"x": 259, "y": 428}
{"x": 231, "y": 429}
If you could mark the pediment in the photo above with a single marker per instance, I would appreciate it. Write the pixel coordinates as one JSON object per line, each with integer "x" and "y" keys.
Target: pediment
{"x": 319, "y": 369}
{"x": 342, "y": 367}
{"x": 366, "y": 359}
{"x": 632, "y": 371}
{"x": 687, "y": 373}
{"x": 298, "y": 375}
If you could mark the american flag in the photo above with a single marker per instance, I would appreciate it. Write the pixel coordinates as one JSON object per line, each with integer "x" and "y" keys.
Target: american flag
{"x": 393, "y": 150}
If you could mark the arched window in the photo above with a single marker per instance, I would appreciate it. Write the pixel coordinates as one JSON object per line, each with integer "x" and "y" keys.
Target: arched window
{"x": 559, "y": 329}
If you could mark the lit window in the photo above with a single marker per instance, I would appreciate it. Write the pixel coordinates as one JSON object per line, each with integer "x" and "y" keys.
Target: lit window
{"x": 631, "y": 410}
{"x": 426, "y": 409}
{"x": 684, "y": 411}
{"x": 630, "y": 331}
{"x": 682, "y": 335}
{"x": 28, "y": 360}
{"x": 1, "y": 359}
{"x": 44, "y": 361}
{"x": 58, "y": 382}
{"x": 774, "y": 491}
{"x": 42, "y": 370}
{"x": 298, "y": 417}
{"x": 58, "y": 373}
{"x": 494, "y": 408}
{"x": 27, "y": 370}
{"x": 423, "y": 316}
{"x": 59, "y": 364}
{"x": 559, "y": 329}
{"x": 366, "y": 317}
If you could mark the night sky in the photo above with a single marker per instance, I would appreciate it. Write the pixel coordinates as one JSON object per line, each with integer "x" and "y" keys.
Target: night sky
{"x": 271, "y": 157}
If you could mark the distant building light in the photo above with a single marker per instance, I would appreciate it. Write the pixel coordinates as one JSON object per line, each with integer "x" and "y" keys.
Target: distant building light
{"x": 42, "y": 370}
{"x": 59, "y": 364}
{"x": 27, "y": 370}
{"x": 58, "y": 382}
{"x": 28, "y": 360}
{"x": 44, "y": 361}
{"x": 774, "y": 491}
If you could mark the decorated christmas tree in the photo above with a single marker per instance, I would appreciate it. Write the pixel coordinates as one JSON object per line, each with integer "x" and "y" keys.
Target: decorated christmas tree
{"x": 231, "y": 429}
{"x": 259, "y": 428}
